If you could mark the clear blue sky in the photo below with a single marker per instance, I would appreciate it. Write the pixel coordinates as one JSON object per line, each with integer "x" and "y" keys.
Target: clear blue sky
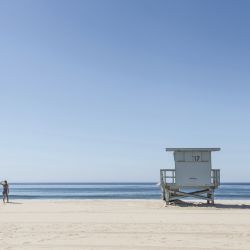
{"x": 95, "y": 90}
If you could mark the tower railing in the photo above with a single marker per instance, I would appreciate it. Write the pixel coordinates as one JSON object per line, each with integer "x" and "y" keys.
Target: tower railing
{"x": 167, "y": 176}
{"x": 215, "y": 177}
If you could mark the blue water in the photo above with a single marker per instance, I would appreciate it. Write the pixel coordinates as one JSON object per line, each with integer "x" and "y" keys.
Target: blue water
{"x": 229, "y": 191}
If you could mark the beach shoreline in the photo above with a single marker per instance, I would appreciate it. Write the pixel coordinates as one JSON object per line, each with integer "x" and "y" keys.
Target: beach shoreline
{"x": 124, "y": 224}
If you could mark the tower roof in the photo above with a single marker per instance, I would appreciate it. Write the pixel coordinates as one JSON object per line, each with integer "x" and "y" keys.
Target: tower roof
{"x": 192, "y": 149}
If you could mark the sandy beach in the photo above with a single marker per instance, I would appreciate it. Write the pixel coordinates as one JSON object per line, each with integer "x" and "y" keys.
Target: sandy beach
{"x": 123, "y": 224}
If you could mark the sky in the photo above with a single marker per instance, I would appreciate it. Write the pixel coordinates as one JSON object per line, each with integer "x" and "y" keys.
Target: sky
{"x": 96, "y": 90}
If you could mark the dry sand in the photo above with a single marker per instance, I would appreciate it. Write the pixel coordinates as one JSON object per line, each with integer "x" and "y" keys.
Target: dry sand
{"x": 123, "y": 224}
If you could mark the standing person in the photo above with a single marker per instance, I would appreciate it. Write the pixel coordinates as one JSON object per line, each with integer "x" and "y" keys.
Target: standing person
{"x": 5, "y": 190}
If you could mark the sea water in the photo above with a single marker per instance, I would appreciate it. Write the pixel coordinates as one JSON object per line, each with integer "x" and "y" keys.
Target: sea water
{"x": 149, "y": 190}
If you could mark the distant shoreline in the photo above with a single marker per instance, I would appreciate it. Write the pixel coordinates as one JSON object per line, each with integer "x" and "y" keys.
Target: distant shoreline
{"x": 115, "y": 191}
{"x": 107, "y": 183}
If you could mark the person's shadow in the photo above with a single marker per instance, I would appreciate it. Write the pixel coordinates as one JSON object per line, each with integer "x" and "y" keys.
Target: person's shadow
{"x": 13, "y": 202}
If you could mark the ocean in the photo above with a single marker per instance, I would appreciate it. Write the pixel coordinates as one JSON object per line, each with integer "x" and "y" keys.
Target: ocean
{"x": 149, "y": 190}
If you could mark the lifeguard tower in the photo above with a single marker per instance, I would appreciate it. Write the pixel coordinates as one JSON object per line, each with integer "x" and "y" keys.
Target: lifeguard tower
{"x": 192, "y": 176}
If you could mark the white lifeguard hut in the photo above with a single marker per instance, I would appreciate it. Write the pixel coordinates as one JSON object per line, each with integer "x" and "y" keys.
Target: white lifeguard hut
{"x": 192, "y": 176}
